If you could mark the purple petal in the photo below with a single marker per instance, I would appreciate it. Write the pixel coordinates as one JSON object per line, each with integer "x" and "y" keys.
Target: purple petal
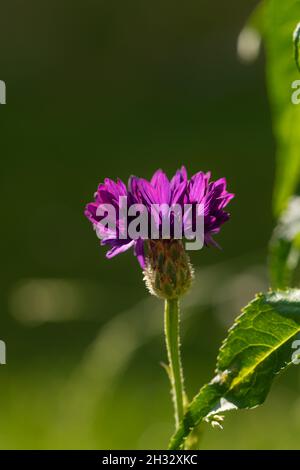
{"x": 140, "y": 253}
{"x": 119, "y": 248}
{"x": 179, "y": 177}
{"x": 90, "y": 212}
{"x": 178, "y": 194}
{"x": 198, "y": 186}
{"x": 162, "y": 187}
{"x": 148, "y": 192}
{"x": 155, "y": 178}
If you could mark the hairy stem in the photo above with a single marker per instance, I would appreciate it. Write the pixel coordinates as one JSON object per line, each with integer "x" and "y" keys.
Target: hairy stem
{"x": 173, "y": 349}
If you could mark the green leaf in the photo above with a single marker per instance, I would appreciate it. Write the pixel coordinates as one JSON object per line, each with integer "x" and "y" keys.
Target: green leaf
{"x": 258, "y": 347}
{"x": 281, "y": 18}
{"x": 284, "y": 251}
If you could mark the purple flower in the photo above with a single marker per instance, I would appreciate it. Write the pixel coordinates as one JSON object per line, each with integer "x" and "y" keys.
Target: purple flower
{"x": 158, "y": 191}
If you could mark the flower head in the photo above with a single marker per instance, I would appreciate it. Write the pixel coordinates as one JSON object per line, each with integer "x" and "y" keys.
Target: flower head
{"x": 119, "y": 211}
{"x": 159, "y": 191}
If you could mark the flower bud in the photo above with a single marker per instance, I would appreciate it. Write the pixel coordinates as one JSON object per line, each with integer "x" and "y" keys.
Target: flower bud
{"x": 168, "y": 273}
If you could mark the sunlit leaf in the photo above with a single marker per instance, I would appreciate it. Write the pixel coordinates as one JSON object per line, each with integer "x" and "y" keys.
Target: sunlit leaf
{"x": 257, "y": 348}
{"x": 281, "y": 18}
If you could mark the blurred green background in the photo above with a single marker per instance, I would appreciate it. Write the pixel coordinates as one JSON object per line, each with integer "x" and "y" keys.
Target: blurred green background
{"x": 98, "y": 89}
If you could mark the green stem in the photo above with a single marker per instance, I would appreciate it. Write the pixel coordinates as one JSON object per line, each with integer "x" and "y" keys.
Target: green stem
{"x": 173, "y": 349}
